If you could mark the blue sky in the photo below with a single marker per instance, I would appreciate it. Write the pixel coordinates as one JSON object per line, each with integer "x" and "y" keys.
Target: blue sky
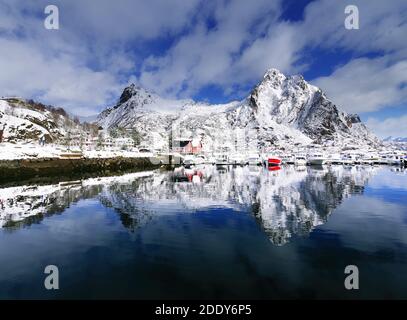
{"x": 207, "y": 50}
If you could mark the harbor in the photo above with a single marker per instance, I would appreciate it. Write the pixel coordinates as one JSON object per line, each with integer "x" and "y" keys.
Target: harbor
{"x": 392, "y": 158}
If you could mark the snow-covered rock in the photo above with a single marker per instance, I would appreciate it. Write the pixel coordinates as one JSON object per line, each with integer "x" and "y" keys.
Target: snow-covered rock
{"x": 280, "y": 112}
{"x": 24, "y": 121}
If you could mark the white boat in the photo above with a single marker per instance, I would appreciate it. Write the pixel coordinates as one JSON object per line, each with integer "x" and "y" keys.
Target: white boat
{"x": 395, "y": 159}
{"x": 375, "y": 159}
{"x": 348, "y": 159}
{"x": 222, "y": 159}
{"x": 384, "y": 158}
{"x": 335, "y": 159}
{"x": 357, "y": 159}
{"x": 317, "y": 159}
{"x": 200, "y": 159}
{"x": 288, "y": 159}
{"x": 300, "y": 160}
{"x": 253, "y": 159}
{"x": 236, "y": 159}
{"x": 211, "y": 160}
{"x": 370, "y": 159}
{"x": 189, "y": 160}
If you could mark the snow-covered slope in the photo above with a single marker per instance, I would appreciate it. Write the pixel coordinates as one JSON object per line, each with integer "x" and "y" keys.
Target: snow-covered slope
{"x": 397, "y": 143}
{"x": 26, "y": 121}
{"x": 395, "y": 139}
{"x": 293, "y": 102}
{"x": 279, "y": 112}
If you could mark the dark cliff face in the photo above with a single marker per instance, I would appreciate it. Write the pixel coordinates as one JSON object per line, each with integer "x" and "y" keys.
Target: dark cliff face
{"x": 296, "y": 103}
{"x": 128, "y": 92}
{"x": 254, "y": 96}
{"x": 323, "y": 118}
{"x": 352, "y": 118}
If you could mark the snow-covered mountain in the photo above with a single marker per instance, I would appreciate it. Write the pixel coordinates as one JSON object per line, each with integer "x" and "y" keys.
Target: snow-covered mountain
{"x": 280, "y": 112}
{"x": 395, "y": 139}
{"x": 27, "y": 121}
{"x": 398, "y": 143}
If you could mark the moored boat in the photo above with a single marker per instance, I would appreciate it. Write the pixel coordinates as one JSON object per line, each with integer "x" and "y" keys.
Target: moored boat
{"x": 317, "y": 159}
{"x": 253, "y": 159}
{"x": 288, "y": 159}
{"x": 221, "y": 159}
{"x": 273, "y": 161}
{"x": 236, "y": 159}
{"x": 395, "y": 160}
{"x": 370, "y": 159}
{"x": 300, "y": 160}
{"x": 200, "y": 159}
{"x": 335, "y": 159}
{"x": 348, "y": 159}
{"x": 71, "y": 154}
{"x": 189, "y": 160}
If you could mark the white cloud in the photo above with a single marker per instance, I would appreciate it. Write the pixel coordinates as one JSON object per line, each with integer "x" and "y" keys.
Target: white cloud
{"x": 278, "y": 49}
{"x": 231, "y": 55}
{"x": 27, "y": 72}
{"x": 396, "y": 127}
{"x": 382, "y": 25}
{"x": 208, "y": 56}
{"x": 365, "y": 85}
{"x": 85, "y": 64}
{"x": 124, "y": 20}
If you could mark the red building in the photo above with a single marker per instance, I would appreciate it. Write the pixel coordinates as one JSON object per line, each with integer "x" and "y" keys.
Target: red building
{"x": 187, "y": 146}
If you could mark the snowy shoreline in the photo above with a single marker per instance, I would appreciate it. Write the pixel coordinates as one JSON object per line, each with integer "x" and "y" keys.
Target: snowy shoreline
{"x": 11, "y": 151}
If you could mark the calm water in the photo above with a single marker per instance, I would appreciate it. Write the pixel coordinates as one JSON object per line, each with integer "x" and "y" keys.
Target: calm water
{"x": 209, "y": 232}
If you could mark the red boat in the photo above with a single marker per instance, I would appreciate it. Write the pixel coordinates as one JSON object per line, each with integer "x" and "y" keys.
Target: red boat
{"x": 274, "y": 168}
{"x": 273, "y": 161}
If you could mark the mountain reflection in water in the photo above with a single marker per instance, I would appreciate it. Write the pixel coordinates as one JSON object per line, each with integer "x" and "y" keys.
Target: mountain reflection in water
{"x": 286, "y": 202}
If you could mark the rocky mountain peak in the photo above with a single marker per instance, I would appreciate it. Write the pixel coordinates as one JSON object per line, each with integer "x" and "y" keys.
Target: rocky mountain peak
{"x": 353, "y": 118}
{"x": 274, "y": 77}
{"x": 133, "y": 90}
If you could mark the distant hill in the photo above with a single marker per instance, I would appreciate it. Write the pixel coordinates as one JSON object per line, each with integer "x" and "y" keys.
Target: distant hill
{"x": 27, "y": 120}
{"x": 396, "y": 139}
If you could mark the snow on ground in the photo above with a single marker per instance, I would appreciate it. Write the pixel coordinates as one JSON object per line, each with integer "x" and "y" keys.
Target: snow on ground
{"x": 22, "y": 113}
{"x": 11, "y": 151}
{"x": 112, "y": 154}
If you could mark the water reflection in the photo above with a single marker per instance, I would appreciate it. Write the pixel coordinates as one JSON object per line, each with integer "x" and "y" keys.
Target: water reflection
{"x": 286, "y": 201}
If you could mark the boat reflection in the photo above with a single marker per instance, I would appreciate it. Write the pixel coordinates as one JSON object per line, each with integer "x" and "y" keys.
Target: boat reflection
{"x": 286, "y": 201}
